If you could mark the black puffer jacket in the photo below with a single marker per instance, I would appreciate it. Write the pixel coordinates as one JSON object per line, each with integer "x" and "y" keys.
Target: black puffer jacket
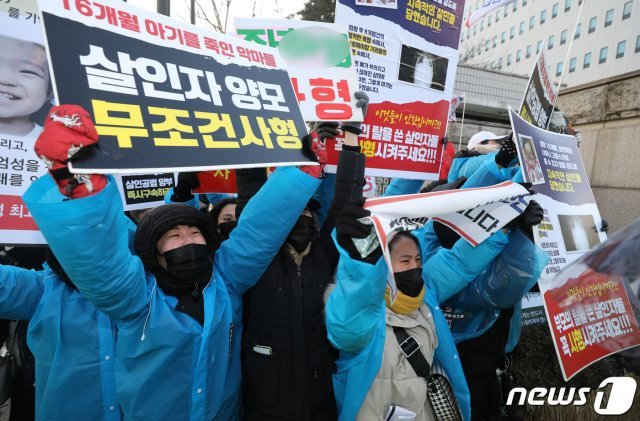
{"x": 287, "y": 360}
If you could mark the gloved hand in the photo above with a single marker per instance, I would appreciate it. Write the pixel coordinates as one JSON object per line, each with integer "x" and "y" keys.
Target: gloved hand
{"x": 312, "y": 149}
{"x": 362, "y": 101}
{"x": 68, "y": 131}
{"x": 348, "y": 227}
{"x": 532, "y": 215}
{"x": 528, "y": 187}
{"x": 326, "y": 129}
{"x": 507, "y": 152}
{"x": 604, "y": 227}
{"x": 187, "y": 181}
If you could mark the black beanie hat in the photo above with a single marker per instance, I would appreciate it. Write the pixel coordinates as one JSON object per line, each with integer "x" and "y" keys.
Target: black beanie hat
{"x": 157, "y": 221}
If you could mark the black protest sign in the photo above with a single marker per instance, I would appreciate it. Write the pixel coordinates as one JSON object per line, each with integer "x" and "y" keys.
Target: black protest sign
{"x": 539, "y": 98}
{"x": 166, "y": 96}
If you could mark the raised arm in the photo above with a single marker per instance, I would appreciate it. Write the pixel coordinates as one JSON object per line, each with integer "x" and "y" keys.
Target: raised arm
{"x": 263, "y": 227}
{"x": 82, "y": 219}
{"x": 20, "y": 292}
{"x": 448, "y": 271}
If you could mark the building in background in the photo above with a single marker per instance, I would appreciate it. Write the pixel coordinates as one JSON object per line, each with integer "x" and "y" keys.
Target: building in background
{"x": 606, "y": 42}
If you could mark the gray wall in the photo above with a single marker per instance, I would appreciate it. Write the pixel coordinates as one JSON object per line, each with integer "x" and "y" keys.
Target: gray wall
{"x": 607, "y": 115}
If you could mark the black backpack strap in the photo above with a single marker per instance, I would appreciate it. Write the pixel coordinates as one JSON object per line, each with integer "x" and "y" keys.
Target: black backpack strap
{"x": 411, "y": 350}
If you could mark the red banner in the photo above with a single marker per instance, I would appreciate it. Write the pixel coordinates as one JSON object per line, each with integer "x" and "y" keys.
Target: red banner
{"x": 401, "y": 140}
{"x": 590, "y": 317}
{"x": 14, "y": 214}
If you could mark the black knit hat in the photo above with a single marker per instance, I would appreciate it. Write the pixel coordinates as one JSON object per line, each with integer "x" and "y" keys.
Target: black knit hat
{"x": 157, "y": 221}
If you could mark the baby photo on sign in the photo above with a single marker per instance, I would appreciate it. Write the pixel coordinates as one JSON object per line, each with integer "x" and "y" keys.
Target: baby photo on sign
{"x": 422, "y": 69}
{"x": 387, "y": 4}
{"x": 25, "y": 88}
{"x": 532, "y": 170}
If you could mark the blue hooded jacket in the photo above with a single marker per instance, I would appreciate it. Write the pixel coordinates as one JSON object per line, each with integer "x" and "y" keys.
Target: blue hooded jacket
{"x": 504, "y": 282}
{"x": 355, "y": 318}
{"x": 169, "y": 366}
{"x": 72, "y": 342}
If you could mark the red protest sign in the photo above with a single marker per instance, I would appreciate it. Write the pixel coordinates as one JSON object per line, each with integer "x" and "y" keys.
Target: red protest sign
{"x": 590, "y": 317}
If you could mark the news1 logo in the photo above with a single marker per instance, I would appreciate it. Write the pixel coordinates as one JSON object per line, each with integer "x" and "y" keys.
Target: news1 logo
{"x": 623, "y": 390}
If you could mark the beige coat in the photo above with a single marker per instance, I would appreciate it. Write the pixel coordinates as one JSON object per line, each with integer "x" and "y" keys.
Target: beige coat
{"x": 396, "y": 383}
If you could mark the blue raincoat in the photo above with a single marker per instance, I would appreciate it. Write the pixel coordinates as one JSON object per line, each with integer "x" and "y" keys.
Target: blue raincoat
{"x": 502, "y": 284}
{"x": 355, "y": 318}
{"x": 168, "y": 366}
{"x": 72, "y": 342}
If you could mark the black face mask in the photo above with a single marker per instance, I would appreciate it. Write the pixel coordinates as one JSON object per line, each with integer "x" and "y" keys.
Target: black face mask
{"x": 225, "y": 229}
{"x": 189, "y": 263}
{"x": 302, "y": 233}
{"x": 409, "y": 281}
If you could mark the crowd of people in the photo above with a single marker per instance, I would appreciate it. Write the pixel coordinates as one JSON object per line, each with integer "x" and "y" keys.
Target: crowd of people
{"x": 262, "y": 306}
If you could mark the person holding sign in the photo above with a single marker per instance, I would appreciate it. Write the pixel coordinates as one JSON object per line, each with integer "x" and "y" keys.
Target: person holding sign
{"x": 376, "y": 368}
{"x": 176, "y": 303}
{"x": 287, "y": 361}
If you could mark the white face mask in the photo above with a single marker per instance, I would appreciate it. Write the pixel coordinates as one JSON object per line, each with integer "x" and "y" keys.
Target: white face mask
{"x": 486, "y": 149}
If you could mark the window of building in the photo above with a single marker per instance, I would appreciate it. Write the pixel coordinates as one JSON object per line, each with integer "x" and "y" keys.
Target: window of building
{"x": 489, "y": 20}
{"x": 512, "y": 33}
{"x": 559, "y": 69}
{"x": 475, "y": 29}
{"x": 563, "y": 37}
{"x": 503, "y": 38}
{"x": 620, "y": 49}
{"x": 506, "y": 11}
{"x": 500, "y": 63}
{"x": 532, "y": 22}
{"x": 592, "y": 24}
{"x": 543, "y": 16}
{"x": 518, "y": 56}
{"x": 603, "y": 54}
{"x": 515, "y": 6}
{"x": 587, "y": 61}
{"x": 608, "y": 19}
{"x": 572, "y": 65}
{"x": 468, "y": 34}
{"x": 509, "y": 59}
{"x": 638, "y": 44}
{"x": 552, "y": 39}
{"x": 554, "y": 10}
{"x": 538, "y": 46}
{"x": 495, "y": 41}
{"x": 497, "y": 15}
{"x": 521, "y": 31}
{"x": 567, "y": 5}
{"x": 578, "y": 30}
{"x": 626, "y": 12}
{"x": 482, "y": 24}
{"x": 528, "y": 54}
{"x": 524, "y": 2}
{"x": 486, "y": 45}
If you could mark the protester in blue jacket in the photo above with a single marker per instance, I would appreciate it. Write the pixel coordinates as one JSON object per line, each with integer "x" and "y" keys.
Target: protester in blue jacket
{"x": 177, "y": 306}
{"x": 360, "y": 318}
{"x": 73, "y": 343}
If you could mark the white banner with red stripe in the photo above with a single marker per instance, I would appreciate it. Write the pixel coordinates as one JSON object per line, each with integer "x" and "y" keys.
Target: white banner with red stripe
{"x": 475, "y": 213}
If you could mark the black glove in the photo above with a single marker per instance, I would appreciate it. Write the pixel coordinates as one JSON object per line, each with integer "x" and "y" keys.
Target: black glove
{"x": 362, "y": 101}
{"x": 532, "y": 215}
{"x": 348, "y": 227}
{"x": 528, "y": 187}
{"x": 327, "y": 129}
{"x": 507, "y": 152}
{"x": 187, "y": 181}
{"x": 604, "y": 227}
{"x": 307, "y": 148}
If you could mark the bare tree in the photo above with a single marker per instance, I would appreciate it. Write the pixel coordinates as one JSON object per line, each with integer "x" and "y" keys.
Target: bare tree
{"x": 214, "y": 13}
